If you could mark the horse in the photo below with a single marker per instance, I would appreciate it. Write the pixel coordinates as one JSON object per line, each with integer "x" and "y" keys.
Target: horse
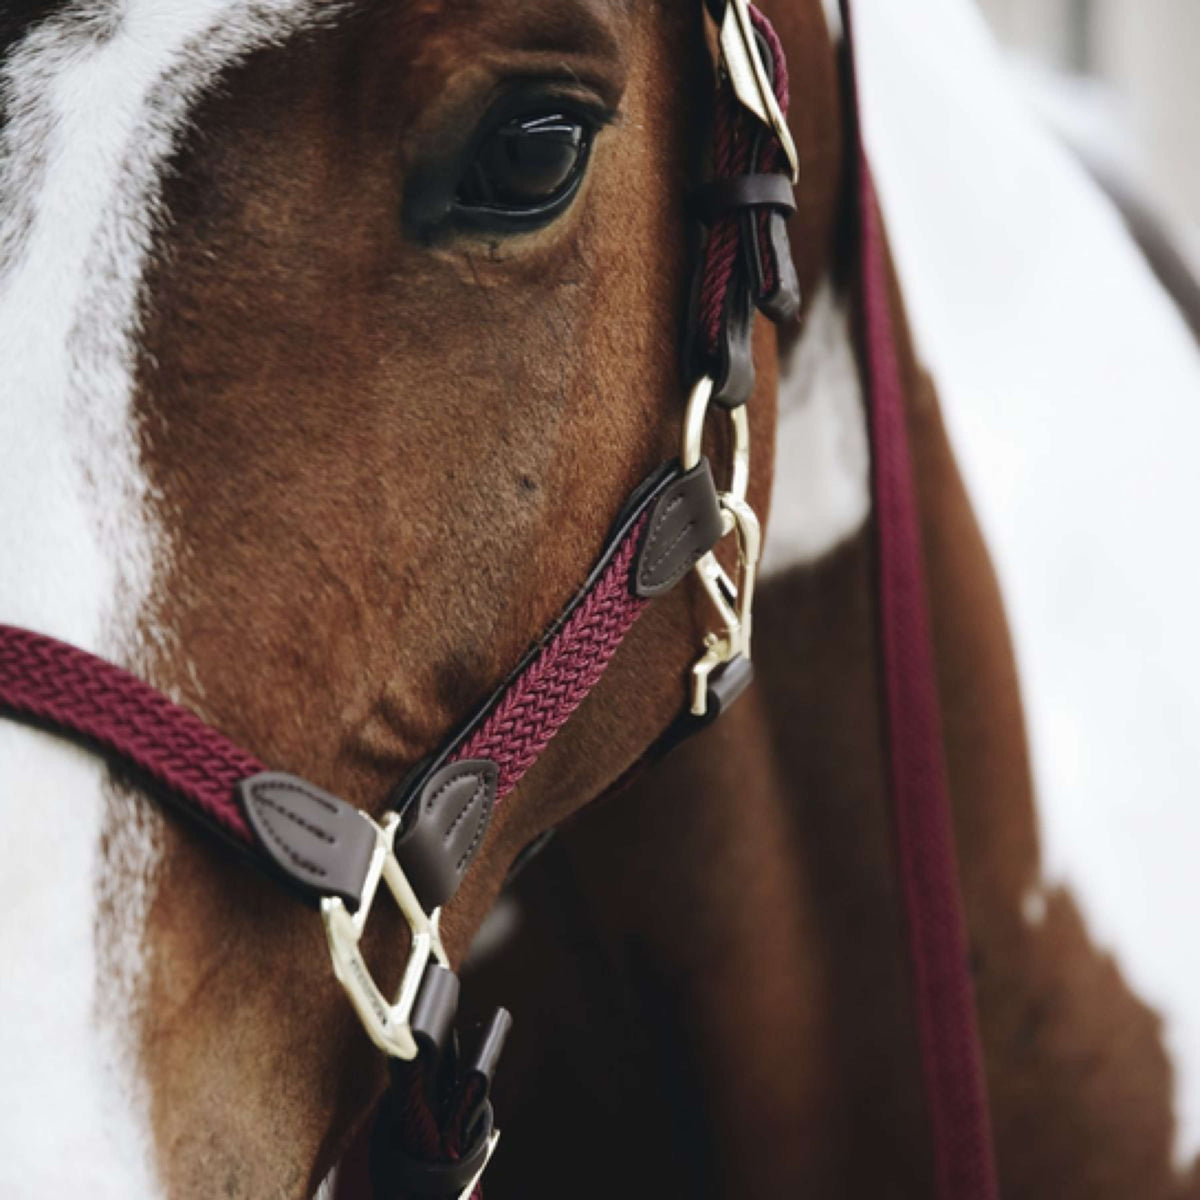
{"x": 318, "y": 459}
{"x": 292, "y": 445}
{"x": 722, "y": 938}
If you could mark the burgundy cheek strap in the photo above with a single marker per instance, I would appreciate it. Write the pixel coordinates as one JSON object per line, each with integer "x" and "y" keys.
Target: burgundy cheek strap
{"x": 434, "y": 1134}
{"x": 313, "y": 841}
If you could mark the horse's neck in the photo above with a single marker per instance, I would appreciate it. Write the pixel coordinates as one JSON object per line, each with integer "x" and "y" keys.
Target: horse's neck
{"x": 750, "y": 949}
{"x": 758, "y": 897}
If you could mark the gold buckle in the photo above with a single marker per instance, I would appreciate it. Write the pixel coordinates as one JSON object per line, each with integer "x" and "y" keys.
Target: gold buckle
{"x": 732, "y": 598}
{"x": 748, "y": 75}
{"x": 387, "y": 1023}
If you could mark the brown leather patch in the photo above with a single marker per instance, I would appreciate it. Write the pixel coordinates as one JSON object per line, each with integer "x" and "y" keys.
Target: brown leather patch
{"x": 452, "y": 815}
{"x": 684, "y": 524}
{"x": 320, "y": 843}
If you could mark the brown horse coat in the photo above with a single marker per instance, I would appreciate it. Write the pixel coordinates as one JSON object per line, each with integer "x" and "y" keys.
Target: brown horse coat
{"x": 719, "y": 948}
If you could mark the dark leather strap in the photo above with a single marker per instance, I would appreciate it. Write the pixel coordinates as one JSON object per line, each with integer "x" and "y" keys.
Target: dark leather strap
{"x": 446, "y": 828}
{"x": 684, "y": 524}
{"x": 431, "y": 1134}
{"x": 398, "y": 1175}
{"x": 716, "y": 199}
{"x": 746, "y": 265}
{"x": 320, "y": 845}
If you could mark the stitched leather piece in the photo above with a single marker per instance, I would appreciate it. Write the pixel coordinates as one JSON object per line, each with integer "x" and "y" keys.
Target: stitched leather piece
{"x": 450, "y": 820}
{"x": 320, "y": 844}
{"x": 683, "y": 525}
{"x": 716, "y": 199}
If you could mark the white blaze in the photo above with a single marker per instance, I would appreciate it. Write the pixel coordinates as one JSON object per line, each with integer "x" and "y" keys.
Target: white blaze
{"x": 95, "y": 101}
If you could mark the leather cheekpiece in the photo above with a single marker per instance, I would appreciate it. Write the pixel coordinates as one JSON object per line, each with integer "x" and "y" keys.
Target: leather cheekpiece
{"x": 449, "y": 819}
{"x": 684, "y": 524}
{"x": 396, "y": 1175}
{"x": 719, "y": 197}
{"x": 321, "y": 845}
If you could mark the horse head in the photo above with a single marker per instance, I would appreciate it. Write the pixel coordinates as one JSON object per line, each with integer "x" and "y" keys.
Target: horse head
{"x": 332, "y": 339}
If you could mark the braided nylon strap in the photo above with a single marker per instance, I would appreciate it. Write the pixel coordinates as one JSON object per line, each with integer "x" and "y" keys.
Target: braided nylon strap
{"x": 735, "y": 131}
{"x": 538, "y": 702}
{"x": 78, "y": 693}
{"x": 939, "y": 951}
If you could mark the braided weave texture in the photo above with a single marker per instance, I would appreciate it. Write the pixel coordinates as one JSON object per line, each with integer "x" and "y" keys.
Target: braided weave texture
{"x": 78, "y": 693}
{"x": 553, "y": 686}
{"x": 734, "y": 132}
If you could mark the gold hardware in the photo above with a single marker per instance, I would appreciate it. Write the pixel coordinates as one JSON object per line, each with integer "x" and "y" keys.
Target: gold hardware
{"x": 493, "y": 1138}
{"x": 748, "y": 75}
{"x": 732, "y": 598}
{"x": 698, "y": 405}
{"x": 387, "y": 1024}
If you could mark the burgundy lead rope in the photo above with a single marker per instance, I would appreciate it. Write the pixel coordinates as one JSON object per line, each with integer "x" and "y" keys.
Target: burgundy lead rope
{"x": 943, "y": 991}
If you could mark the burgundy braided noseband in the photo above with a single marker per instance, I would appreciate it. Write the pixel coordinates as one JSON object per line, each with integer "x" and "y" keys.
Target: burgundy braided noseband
{"x": 538, "y": 703}
{"x": 76, "y": 693}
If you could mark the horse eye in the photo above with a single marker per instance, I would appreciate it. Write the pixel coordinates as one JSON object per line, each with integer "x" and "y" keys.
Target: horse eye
{"x": 529, "y": 167}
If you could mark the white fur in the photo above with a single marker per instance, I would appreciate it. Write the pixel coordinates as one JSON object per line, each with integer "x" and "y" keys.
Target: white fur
{"x": 96, "y": 100}
{"x": 499, "y": 928}
{"x": 822, "y": 467}
{"x": 1071, "y": 388}
{"x": 833, "y": 15}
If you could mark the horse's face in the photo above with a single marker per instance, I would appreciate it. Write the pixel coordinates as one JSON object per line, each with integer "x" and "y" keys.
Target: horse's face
{"x": 380, "y": 433}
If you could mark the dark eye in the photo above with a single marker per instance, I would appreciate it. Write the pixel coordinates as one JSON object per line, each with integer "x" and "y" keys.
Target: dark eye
{"x": 529, "y": 167}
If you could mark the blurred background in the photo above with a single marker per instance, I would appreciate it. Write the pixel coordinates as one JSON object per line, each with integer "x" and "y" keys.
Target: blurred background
{"x": 1120, "y": 79}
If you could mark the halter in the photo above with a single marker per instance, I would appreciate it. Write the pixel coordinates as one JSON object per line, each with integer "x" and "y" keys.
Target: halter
{"x": 434, "y": 1134}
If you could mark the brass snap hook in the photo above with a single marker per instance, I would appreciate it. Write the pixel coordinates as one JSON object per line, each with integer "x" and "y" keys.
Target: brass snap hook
{"x": 733, "y": 597}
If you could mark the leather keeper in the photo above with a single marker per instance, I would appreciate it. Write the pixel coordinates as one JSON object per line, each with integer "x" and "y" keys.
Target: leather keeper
{"x": 446, "y": 828}
{"x": 712, "y": 201}
{"x": 684, "y": 524}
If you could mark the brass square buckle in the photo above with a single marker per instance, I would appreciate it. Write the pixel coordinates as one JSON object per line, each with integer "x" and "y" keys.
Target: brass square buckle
{"x": 387, "y": 1022}
{"x": 748, "y": 75}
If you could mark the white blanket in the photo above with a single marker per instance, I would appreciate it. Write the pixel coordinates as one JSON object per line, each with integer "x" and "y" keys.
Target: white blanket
{"x": 1072, "y": 392}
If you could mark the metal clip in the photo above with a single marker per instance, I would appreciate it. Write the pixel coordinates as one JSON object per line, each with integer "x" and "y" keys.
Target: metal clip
{"x": 733, "y": 598}
{"x": 493, "y": 1138}
{"x": 699, "y": 402}
{"x": 387, "y": 1024}
{"x": 751, "y": 82}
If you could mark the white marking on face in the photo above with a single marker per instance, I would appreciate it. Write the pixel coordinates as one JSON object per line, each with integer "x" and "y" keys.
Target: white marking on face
{"x": 822, "y": 491}
{"x": 95, "y": 101}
